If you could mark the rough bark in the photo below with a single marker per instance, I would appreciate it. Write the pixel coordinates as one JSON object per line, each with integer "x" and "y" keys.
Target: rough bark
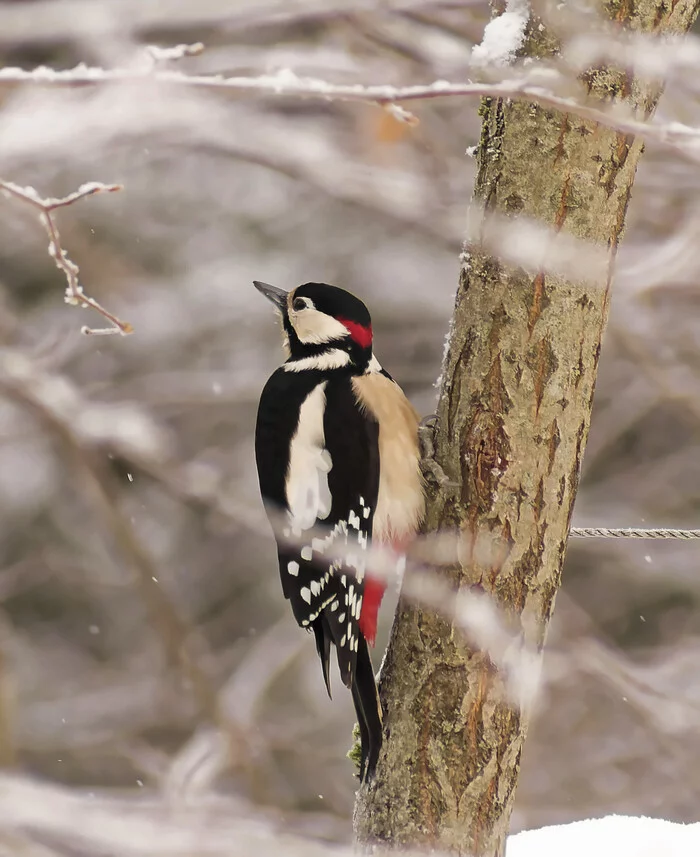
{"x": 513, "y": 419}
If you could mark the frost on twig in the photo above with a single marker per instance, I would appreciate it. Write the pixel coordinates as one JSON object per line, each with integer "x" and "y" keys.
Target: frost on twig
{"x": 175, "y": 52}
{"x": 535, "y": 86}
{"x": 401, "y": 114}
{"x": 74, "y": 291}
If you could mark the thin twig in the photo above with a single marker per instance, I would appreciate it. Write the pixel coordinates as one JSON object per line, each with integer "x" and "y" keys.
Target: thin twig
{"x": 285, "y": 83}
{"x": 75, "y": 296}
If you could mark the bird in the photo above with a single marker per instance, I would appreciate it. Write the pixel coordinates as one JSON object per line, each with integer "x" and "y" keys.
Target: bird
{"x": 338, "y": 461}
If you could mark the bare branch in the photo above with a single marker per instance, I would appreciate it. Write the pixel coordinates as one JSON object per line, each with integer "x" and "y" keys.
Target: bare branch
{"x": 75, "y": 296}
{"x": 285, "y": 83}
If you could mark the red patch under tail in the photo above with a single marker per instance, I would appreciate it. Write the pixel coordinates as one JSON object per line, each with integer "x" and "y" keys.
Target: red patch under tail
{"x": 374, "y": 592}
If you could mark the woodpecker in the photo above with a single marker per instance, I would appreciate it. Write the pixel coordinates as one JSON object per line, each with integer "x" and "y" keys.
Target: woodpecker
{"x": 336, "y": 447}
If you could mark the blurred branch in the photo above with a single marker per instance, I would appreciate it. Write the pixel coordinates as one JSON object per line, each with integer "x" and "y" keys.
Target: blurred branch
{"x": 383, "y": 193}
{"x": 15, "y": 843}
{"x": 75, "y": 296}
{"x": 47, "y": 398}
{"x": 145, "y": 824}
{"x": 8, "y": 704}
{"x": 75, "y": 19}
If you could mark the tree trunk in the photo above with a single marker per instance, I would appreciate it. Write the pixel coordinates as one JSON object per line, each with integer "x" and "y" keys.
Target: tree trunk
{"x": 513, "y": 419}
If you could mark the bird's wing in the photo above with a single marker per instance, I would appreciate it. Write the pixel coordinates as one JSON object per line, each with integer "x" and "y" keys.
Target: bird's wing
{"x": 329, "y": 461}
{"x": 352, "y": 442}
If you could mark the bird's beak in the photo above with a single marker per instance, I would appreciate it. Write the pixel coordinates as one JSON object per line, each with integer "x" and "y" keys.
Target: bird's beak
{"x": 272, "y": 293}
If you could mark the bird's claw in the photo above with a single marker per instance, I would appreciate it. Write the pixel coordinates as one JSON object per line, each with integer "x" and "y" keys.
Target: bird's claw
{"x": 430, "y": 467}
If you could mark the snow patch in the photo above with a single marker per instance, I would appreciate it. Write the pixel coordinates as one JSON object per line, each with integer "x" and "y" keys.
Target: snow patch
{"x": 612, "y": 836}
{"x": 503, "y": 36}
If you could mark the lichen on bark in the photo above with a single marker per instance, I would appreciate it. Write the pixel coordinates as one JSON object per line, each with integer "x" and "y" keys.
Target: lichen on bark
{"x": 513, "y": 419}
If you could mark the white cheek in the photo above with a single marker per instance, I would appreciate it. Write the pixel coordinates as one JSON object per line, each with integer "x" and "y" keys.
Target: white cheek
{"x": 314, "y": 327}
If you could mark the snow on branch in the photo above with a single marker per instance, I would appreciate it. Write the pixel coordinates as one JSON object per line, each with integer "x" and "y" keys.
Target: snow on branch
{"x": 74, "y": 291}
{"x": 285, "y": 83}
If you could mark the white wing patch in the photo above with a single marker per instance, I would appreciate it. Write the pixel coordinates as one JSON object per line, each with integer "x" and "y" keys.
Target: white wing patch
{"x": 338, "y": 543}
{"x": 342, "y": 549}
{"x": 308, "y": 495}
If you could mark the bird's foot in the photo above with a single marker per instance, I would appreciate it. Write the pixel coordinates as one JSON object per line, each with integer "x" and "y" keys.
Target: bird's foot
{"x": 429, "y": 466}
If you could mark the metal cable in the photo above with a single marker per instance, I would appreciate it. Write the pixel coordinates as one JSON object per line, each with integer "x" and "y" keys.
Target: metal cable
{"x": 631, "y": 533}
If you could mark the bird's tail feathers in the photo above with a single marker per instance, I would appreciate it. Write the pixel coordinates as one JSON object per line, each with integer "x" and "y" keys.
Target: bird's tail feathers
{"x": 369, "y": 711}
{"x": 357, "y": 673}
{"x": 323, "y": 647}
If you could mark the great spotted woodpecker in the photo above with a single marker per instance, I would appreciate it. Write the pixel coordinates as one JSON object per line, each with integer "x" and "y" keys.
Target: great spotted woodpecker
{"x": 336, "y": 446}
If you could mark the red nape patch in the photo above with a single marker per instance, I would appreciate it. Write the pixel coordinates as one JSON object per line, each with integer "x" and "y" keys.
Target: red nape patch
{"x": 358, "y": 333}
{"x": 372, "y": 598}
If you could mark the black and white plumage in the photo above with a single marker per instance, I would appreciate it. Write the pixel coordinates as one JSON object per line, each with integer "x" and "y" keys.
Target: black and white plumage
{"x": 336, "y": 451}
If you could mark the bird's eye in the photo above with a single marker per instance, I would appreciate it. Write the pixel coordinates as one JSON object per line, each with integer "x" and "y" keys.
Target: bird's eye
{"x": 298, "y": 304}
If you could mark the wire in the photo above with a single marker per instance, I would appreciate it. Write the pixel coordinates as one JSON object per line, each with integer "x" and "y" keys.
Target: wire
{"x": 631, "y": 533}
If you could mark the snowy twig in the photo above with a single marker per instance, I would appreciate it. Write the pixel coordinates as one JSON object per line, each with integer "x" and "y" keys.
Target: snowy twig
{"x": 176, "y": 52}
{"x": 286, "y": 83}
{"x": 74, "y": 291}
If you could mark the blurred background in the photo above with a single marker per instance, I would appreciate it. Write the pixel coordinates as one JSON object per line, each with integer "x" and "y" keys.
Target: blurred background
{"x": 130, "y": 523}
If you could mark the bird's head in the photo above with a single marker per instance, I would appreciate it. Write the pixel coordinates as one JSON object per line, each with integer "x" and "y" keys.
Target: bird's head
{"x": 320, "y": 320}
